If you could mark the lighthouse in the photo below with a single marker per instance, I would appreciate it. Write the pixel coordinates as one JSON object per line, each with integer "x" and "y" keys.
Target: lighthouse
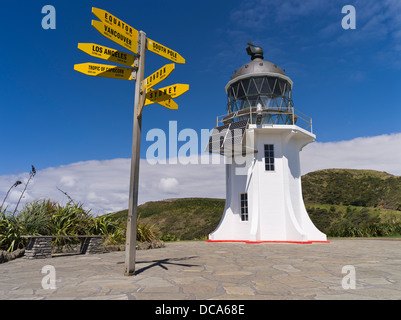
{"x": 261, "y": 137}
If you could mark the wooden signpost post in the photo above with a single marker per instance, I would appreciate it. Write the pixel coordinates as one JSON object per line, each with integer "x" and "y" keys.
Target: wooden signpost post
{"x": 135, "y": 41}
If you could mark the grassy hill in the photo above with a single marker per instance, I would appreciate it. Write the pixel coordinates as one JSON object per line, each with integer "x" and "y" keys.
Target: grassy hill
{"x": 185, "y": 219}
{"x": 339, "y": 202}
{"x": 365, "y": 188}
{"x": 345, "y": 202}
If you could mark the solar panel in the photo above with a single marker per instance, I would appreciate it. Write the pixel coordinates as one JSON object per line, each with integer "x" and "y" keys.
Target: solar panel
{"x": 236, "y": 134}
{"x": 225, "y": 138}
{"x": 216, "y": 139}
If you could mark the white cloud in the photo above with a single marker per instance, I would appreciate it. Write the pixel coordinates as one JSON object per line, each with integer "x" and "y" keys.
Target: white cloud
{"x": 68, "y": 181}
{"x": 103, "y": 185}
{"x": 168, "y": 185}
{"x": 382, "y": 153}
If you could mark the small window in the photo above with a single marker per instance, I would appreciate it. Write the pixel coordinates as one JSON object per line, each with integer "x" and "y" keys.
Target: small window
{"x": 269, "y": 157}
{"x": 244, "y": 207}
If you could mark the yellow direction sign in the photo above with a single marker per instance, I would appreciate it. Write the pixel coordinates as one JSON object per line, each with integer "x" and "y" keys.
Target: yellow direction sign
{"x": 105, "y": 71}
{"x": 157, "y": 96}
{"x": 173, "y": 91}
{"x": 158, "y": 76}
{"x": 117, "y": 26}
{"x": 108, "y": 54}
{"x": 163, "y": 51}
{"x": 115, "y": 35}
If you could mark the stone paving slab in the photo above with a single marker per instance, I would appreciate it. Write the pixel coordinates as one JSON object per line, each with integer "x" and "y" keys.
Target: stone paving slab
{"x": 217, "y": 271}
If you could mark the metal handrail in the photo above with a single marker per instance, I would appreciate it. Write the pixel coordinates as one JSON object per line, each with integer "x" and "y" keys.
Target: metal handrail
{"x": 298, "y": 118}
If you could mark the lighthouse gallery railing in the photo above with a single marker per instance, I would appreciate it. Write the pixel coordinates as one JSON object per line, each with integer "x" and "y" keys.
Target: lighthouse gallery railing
{"x": 268, "y": 116}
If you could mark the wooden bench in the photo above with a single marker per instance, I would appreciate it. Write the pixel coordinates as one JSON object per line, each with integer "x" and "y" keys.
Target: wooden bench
{"x": 40, "y": 247}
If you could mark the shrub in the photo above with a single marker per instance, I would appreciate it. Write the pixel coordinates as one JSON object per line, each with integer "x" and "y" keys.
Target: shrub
{"x": 36, "y": 218}
{"x": 346, "y": 229}
{"x": 145, "y": 232}
{"x": 72, "y": 219}
{"x": 168, "y": 237}
{"x": 105, "y": 225}
{"x": 46, "y": 217}
{"x": 10, "y": 232}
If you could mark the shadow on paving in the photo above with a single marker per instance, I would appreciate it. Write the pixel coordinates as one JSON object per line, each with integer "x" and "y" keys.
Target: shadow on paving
{"x": 163, "y": 262}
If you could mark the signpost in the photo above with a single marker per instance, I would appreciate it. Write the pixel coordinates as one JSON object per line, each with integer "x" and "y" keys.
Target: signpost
{"x": 115, "y": 35}
{"x": 158, "y": 76}
{"x": 173, "y": 91}
{"x": 137, "y": 42}
{"x": 157, "y": 96}
{"x": 106, "y": 71}
{"x": 164, "y": 96}
{"x": 132, "y": 219}
{"x": 165, "y": 52}
{"x": 108, "y": 54}
{"x": 116, "y": 27}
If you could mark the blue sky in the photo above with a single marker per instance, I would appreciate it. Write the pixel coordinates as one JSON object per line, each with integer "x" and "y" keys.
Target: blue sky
{"x": 348, "y": 81}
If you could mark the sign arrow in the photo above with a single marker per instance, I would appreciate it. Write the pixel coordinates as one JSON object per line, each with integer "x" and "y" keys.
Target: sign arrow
{"x": 118, "y": 25}
{"x": 163, "y": 51}
{"x": 173, "y": 91}
{"x": 157, "y": 96}
{"x": 108, "y": 54}
{"x": 106, "y": 71}
{"x": 158, "y": 76}
{"x": 116, "y": 35}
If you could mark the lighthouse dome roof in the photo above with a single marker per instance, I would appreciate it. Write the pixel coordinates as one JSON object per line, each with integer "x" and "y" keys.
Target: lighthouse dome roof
{"x": 258, "y": 66}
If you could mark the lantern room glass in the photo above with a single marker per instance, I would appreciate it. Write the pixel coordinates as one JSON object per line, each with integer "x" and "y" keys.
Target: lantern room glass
{"x": 270, "y": 94}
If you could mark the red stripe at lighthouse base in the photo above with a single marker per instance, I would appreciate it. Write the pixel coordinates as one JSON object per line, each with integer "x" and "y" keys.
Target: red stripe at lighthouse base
{"x": 248, "y": 241}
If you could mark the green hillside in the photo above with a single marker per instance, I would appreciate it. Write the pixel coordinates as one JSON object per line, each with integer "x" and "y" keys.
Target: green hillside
{"x": 365, "y": 188}
{"x": 339, "y": 202}
{"x": 185, "y": 219}
{"x": 345, "y": 202}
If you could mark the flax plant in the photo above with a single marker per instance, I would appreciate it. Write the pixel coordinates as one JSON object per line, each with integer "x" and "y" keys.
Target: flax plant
{"x": 31, "y": 175}
{"x": 16, "y": 184}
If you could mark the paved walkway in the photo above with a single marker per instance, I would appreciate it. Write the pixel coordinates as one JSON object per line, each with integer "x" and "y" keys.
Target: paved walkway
{"x": 201, "y": 270}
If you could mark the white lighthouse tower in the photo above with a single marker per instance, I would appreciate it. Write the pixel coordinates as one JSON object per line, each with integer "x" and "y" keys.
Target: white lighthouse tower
{"x": 261, "y": 138}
